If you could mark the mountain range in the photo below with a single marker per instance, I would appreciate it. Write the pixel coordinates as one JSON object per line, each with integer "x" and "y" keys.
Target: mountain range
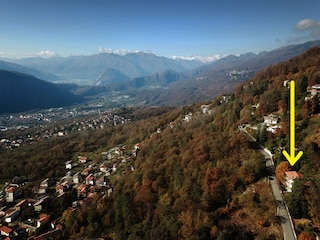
{"x": 145, "y": 77}
{"x": 206, "y": 81}
{"x": 85, "y": 69}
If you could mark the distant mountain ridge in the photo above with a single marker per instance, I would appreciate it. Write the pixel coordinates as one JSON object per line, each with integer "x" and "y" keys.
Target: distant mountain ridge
{"x": 221, "y": 76}
{"x": 88, "y": 68}
{"x": 179, "y": 88}
{"x": 20, "y": 92}
{"x": 158, "y": 80}
{"x": 31, "y": 71}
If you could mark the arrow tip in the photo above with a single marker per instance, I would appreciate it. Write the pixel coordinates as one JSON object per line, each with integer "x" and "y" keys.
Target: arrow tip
{"x": 291, "y": 158}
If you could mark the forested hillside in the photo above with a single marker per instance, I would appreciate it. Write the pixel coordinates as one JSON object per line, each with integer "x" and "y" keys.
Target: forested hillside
{"x": 269, "y": 89}
{"x": 195, "y": 176}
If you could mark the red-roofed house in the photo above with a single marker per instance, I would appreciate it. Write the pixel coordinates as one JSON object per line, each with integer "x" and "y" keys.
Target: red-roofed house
{"x": 83, "y": 190}
{"x": 11, "y": 193}
{"x": 5, "y": 231}
{"x": 82, "y": 159}
{"x": 103, "y": 168}
{"x": 11, "y": 215}
{"x": 43, "y": 218}
{"x": 290, "y": 176}
{"x": 90, "y": 179}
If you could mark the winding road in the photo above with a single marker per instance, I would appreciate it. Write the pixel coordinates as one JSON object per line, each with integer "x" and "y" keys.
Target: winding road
{"x": 282, "y": 211}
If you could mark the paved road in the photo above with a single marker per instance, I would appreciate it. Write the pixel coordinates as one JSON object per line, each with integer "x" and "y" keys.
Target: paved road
{"x": 282, "y": 210}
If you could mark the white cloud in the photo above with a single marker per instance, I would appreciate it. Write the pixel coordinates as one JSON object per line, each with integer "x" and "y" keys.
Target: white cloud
{"x": 307, "y": 24}
{"x": 305, "y": 30}
{"x": 46, "y": 54}
{"x": 309, "y": 28}
{"x": 118, "y": 52}
{"x": 3, "y": 54}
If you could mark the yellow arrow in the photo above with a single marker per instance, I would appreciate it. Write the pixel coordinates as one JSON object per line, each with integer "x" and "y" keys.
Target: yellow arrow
{"x": 292, "y": 159}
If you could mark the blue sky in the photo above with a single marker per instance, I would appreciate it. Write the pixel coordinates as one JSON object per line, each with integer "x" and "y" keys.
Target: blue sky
{"x": 167, "y": 28}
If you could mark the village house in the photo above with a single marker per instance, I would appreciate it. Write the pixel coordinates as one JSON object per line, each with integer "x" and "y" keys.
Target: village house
{"x": 314, "y": 90}
{"x": 44, "y": 186}
{"x": 87, "y": 171}
{"x": 187, "y": 117}
{"x": 55, "y": 224}
{"x": 69, "y": 164}
{"x": 225, "y": 99}
{"x": 43, "y": 218}
{"x": 63, "y": 187}
{"x": 90, "y": 179}
{"x": 290, "y": 177}
{"x": 22, "y": 205}
{"x": 102, "y": 181}
{"x": 41, "y": 203}
{"x": 2, "y": 211}
{"x": 103, "y": 168}
{"x": 273, "y": 129}
{"x": 6, "y": 231}
{"x": 205, "y": 109}
{"x": 271, "y": 119}
{"x": 82, "y": 190}
{"x": 42, "y": 190}
{"x": 12, "y": 193}
{"x": 77, "y": 178}
{"x": 114, "y": 167}
{"x": 11, "y": 214}
{"x": 82, "y": 159}
{"x": 60, "y": 134}
{"x": 45, "y": 183}
{"x": 105, "y": 155}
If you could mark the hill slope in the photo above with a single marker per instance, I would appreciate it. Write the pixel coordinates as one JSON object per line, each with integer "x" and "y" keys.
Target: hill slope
{"x": 269, "y": 92}
{"x": 198, "y": 177}
{"x": 20, "y": 92}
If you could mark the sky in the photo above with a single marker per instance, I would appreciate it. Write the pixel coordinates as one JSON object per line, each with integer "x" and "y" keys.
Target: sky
{"x": 165, "y": 27}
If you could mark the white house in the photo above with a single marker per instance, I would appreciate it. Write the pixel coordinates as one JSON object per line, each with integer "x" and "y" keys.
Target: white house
{"x": 11, "y": 193}
{"x": 187, "y": 117}
{"x": 205, "y": 109}
{"x": 271, "y": 119}
{"x": 290, "y": 176}
{"x": 69, "y": 164}
{"x": 315, "y": 89}
{"x": 82, "y": 159}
